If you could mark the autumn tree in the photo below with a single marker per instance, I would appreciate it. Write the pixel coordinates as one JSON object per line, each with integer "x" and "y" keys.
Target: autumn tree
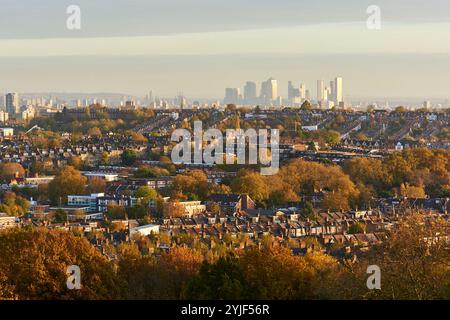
{"x": 420, "y": 167}
{"x": 306, "y": 105}
{"x": 342, "y": 194}
{"x": 173, "y": 209}
{"x": 306, "y": 178}
{"x": 280, "y": 192}
{"x": 11, "y": 170}
{"x": 94, "y": 132}
{"x": 193, "y": 184}
{"x": 175, "y": 269}
{"x": 76, "y": 162}
{"x": 408, "y": 191}
{"x": 137, "y": 273}
{"x": 96, "y": 185}
{"x": 115, "y": 212}
{"x": 251, "y": 183}
{"x": 38, "y": 271}
{"x": 414, "y": 263}
{"x": 138, "y": 137}
{"x": 68, "y": 181}
{"x": 271, "y": 273}
{"x": 14, "y": 205}
{"x": 368, "y": 172}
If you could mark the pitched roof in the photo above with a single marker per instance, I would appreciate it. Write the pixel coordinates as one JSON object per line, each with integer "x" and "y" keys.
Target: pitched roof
{"x": 225, "y": 198}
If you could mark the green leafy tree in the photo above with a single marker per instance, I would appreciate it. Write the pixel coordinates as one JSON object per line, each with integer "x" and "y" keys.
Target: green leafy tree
{"x": 128, "y": 157}
{"x": 222, "y": 280}
{"x": 306, "y": 105}
{"x": 60, "y": 216}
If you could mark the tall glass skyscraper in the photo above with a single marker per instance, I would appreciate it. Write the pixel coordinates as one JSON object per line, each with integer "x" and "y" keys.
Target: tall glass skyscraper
{"x": 12, "y": 103}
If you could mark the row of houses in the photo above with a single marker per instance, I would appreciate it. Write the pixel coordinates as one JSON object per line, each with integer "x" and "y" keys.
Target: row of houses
{"x": 290, "y": 224}
{"x": 89, "y": 150}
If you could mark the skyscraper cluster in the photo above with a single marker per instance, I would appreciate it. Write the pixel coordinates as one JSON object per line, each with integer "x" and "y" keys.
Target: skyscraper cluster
{"x": 333, "y": 95}
{"x": 297, "y": 95}
{"x": 268, "y": 94}
{"x": 16, "y": 109}
{"x": 327, "y": 96}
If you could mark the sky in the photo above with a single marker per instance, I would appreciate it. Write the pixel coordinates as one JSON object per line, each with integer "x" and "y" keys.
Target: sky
{"x": 200, "y": 47}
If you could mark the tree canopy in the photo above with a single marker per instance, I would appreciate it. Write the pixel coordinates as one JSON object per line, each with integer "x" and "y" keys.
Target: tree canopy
{"x": 68, "y": 181}
{"x": 38, "y": 271}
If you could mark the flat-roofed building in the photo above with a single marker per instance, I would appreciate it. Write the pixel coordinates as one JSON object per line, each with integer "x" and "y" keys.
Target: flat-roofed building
{"x": 7, "y": 221}
{"x": 6, "y": 132}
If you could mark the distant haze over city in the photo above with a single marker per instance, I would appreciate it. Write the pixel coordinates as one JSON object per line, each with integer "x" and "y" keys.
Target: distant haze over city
{"x": 202, "y": 47}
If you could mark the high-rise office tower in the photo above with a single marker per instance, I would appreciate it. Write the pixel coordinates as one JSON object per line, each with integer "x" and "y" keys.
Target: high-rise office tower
{"x": 320, "y": 90}
{"x": 339, "y": 91}
{"x": 302, "y": 91}
{"x": 427, "y": 104}
{"x": 293, "y": 93}
{"x": 231, "y": 96}
{"x": 250, "y": 92}
{"x": 308, "y": 95}
{"x": 12, "y": 103}
{"x": 149, "y": 97}
{"x": 290, "y": 91}
{"x": 269, "y": 90}
{"x": 274, "y": 88}
{"x": 332, "y": 94}
{"x": 181, "y": 101}
{"x": 325, "y": 94}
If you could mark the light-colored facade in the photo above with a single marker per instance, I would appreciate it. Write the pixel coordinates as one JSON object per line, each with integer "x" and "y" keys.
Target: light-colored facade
{"x": 4, "y": 116}
{"x": 269, "y": 90}
{"x": 193, "y": 207}
{"x": 320, "y": 90}
{"x": 339, "y": 90}
{"x": 108, "y": 177}
{"x": 6, "y": 132}
{"x": 302, "y": 92}
{"x": 7, "y": 222}
{"x": 145, "y": 230}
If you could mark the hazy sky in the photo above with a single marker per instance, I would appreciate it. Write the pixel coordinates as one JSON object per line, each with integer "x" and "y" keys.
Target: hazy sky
{"x": 202, "y": 46}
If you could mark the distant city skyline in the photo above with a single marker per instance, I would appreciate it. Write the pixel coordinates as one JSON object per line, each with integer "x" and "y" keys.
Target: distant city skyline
{"x": 416, "y": 76}
{"x": 80, "y": 99}
{"x": 203, "y": 46}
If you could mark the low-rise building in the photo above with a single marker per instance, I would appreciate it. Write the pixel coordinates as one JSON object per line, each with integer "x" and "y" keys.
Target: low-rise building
{"x": 6, "y": 132}
{"x": 145, "y": 230}
{"x": 7, "y": 221}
